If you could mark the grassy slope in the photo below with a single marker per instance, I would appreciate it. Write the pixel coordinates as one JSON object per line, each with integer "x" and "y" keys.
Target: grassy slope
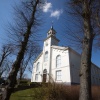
{"x": 54, "y": 91}
{"x": 23, "y": 95}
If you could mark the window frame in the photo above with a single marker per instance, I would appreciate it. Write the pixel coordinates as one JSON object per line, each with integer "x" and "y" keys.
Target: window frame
{"x": 36, "y": 77}
{"x": 37, "y": 66}
{"x": 59, "y": 76}
{"x": 46, "y": 56}
{"x": 58, "y": 61}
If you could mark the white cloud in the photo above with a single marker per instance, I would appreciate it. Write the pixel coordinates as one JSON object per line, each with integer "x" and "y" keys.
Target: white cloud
{"x": 56, "y": 13}
{"x": 47, "y": 7}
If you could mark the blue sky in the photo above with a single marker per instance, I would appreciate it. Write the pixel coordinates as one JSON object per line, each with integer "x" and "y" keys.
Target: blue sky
{"x": 56, "y": 13}
{"x": 53, "y": 11}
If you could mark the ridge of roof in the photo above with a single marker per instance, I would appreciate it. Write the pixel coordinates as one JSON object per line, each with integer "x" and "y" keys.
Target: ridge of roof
{"x": 53, "y": 37}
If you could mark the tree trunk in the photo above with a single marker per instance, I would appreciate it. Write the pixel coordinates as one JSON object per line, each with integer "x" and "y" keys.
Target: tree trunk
{"x": 85, "y": 70}
{"x": 2, "y": 59}
{"x": 21, "y": 74}
{"x": 15, "y": 67}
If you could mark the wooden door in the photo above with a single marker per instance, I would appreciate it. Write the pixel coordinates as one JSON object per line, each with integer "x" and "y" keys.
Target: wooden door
{"x": 44, "y": 78}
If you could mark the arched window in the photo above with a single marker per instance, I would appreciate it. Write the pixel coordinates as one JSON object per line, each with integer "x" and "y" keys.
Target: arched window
{"x": 45, "y": 71}
{"x": 36, "y": 77}
{"x": 37, "y": 67}
{"x": 46, "y": 56}
{"x": 58, "y": 61}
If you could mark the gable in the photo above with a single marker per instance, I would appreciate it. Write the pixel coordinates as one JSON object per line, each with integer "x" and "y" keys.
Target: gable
{"x": 39, "y": 56}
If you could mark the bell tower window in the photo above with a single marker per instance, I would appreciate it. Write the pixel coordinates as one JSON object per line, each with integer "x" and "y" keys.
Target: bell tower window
{"x": 51, "y": 32}
{"x": 46, "y": 56}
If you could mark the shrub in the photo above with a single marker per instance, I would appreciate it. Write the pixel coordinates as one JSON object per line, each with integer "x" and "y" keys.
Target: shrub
{"x": 56, "y": 91}
{"x": 62, "y": 92}
{"x": 96, "y": 93}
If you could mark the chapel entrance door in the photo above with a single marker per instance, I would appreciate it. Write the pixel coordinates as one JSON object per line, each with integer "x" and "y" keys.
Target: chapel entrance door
{"x": 44, "y": 75}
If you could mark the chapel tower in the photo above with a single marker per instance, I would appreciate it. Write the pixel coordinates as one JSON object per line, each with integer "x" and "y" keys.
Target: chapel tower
{"x": 47, "y": 52}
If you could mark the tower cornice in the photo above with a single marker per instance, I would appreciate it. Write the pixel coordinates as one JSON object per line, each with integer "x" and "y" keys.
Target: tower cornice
{"x": 52, "y": 37}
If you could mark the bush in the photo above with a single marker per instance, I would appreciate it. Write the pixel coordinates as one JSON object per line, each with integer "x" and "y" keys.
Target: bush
{"x": 56, "y": 92}
{"x": 62, "y": 92}
{"x": 96, "y": 93}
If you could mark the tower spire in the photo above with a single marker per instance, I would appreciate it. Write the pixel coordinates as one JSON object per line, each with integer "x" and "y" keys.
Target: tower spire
{"x": 51, "y": 31}
{"x": 52, "y": 25}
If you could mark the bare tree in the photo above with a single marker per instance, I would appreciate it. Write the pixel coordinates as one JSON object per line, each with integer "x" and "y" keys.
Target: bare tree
{"x": 28, "y": 17}
{"x": 85, "y": 12}
{"x": 5, "y": 52}
{"x": 28, "y": 58}
{"x": 5, "y": 69}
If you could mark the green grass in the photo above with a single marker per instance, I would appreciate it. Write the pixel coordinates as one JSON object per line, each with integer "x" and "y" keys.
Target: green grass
{"x": 29, "y": 94}
{"x": 23, "y": 95}
{"x": 24, "y": 91}
{"x": 53, "y": 92}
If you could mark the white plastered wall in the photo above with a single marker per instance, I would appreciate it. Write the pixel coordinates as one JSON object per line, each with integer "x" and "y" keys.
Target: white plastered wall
{"x": 64, "y": 65}
{"x": 39, "y": 72}
{"x": 74, "y": 66}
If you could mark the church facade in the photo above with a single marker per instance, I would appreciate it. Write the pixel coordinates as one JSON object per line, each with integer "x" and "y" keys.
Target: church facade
{"x": 60, "y": 64}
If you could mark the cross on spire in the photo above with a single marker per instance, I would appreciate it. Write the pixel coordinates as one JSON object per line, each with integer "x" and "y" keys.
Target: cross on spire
{"x": 52, "y": 25}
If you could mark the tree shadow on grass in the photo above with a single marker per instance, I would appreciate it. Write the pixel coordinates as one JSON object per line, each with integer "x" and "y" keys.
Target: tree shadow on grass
{"x": 23, "y": 96}
{"x": 20, "y": 88}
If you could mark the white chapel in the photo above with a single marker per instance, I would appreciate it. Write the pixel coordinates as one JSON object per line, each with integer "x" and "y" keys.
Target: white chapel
{"x": 59, "y": 64}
